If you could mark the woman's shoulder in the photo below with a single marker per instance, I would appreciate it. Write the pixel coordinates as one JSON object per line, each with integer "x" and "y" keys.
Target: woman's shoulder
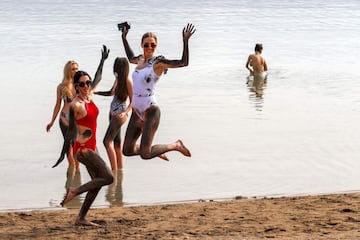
{"x": 155, "y": 59}
{"x": 60, "y": 86}
{"x": 77, "y": 102}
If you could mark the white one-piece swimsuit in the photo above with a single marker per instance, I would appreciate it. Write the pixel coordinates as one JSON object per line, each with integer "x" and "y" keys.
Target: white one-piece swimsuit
{"x": 144, "y": 82}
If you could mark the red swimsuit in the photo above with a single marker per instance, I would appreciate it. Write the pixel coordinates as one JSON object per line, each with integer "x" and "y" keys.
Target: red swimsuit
{"x": 89, "y": 120}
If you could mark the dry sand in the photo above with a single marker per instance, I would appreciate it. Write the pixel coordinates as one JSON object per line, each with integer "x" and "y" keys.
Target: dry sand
{"x": 335, "y": 216}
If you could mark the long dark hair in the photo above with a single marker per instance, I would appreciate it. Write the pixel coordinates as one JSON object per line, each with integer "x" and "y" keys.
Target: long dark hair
{"x": 77, "y": 77}
{"x": 121, "y": 68}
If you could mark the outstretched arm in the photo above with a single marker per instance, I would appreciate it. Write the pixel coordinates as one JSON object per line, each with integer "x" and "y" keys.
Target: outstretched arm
{"x": 104, "y": 93}
{"x": 110, "y": 92}
{"x": 129, "y": 52}
{"x": 70, "y": 135}
{"x": 98, "y": 75}
{"x": 164, "y": 63}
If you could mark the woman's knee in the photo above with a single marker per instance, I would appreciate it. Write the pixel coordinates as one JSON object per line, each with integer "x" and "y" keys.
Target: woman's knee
{"x": 145, "y": 156}
{"x": 126, "y": 151}
{"x": 153, "y": 111}
{"x": 109, "y": 179}
{"x": 106, "y": 142}
{"x": 145, "y": 153}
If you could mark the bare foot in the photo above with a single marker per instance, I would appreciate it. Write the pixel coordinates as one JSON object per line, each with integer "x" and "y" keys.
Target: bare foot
{"x": 70, "y": 194}
{"x": 181, "y": 148}
{"x": 163, "y": 157}
{"x": 83, "y": 222}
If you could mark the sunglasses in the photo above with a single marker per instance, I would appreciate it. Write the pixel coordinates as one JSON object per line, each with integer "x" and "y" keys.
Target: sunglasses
{"x": 87, "y": 83}
{"x": 146, "y": 45}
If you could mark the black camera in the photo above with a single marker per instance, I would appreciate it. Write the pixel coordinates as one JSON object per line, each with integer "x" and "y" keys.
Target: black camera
{"x": 122, "y": 25}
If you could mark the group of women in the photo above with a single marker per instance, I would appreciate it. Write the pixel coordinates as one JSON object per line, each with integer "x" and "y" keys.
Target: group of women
{"x": 78, "y": 117}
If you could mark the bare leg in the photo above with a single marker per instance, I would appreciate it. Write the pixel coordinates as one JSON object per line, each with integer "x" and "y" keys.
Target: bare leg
{"x": 72, "y": 160}
{"x": 70, "y": 157}
{"x": 181, "y": 148}
{"x": 111, "y": 154}
{"x": 89, "y": 199}
{"x": 119, "y": 156}
{"x": 108, "y": 142}
{"x": 70, "y": 194}
{"x": 133, "y": 132}
{"x": 163, "y": 157}
{"x": 151, "y": 123}
{"x": 162, "y": 148}
{"x": 136, "y": 127}
{"x": 100, "y": 175}
{"x": 112, "y": 141}
{"x": 117, "y": 142}
{"x": 69, "y": 154}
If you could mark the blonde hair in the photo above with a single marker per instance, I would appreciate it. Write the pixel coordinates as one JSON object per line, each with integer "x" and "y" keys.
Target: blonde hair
{"x": 67, "y": 84}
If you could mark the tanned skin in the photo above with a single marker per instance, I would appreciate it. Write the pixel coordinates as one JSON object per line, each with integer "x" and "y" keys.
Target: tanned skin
{"x": 147, "y": 127}
{"x": 99, "y": 172}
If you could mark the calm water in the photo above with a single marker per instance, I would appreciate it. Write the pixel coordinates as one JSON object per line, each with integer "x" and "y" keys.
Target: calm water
{"x": 301, "y": 137}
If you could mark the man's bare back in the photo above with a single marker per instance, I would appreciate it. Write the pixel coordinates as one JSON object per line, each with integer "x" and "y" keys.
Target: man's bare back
{"x": 256, "y": 64}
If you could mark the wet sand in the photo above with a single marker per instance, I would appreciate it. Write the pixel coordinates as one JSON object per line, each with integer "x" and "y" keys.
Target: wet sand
{"x": 335, "y": 216}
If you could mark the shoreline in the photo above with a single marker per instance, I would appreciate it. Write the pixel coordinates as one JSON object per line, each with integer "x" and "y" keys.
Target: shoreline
{"x": 186, "y": 201}
{"x": 328, "y": 216}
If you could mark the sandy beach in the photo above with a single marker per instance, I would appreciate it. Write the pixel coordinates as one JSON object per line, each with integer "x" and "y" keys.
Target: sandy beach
{"x": 334, "y": 216}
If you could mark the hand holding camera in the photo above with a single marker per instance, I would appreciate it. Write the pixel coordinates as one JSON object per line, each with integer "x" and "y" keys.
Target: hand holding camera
{"x": 122, "y": 25}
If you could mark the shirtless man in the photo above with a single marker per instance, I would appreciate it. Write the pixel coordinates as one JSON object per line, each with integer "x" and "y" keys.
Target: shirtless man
{"x": 257, "y": 66}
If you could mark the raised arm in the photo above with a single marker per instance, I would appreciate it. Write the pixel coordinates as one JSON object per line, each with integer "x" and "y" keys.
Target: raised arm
{"x": 70, "y": 135}
{"x": 98, "y": 75}
{"x": 163, "y": 63}
{"x": 129, "y": 52}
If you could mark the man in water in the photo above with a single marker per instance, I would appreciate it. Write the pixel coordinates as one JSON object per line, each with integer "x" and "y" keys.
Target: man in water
{"x": 256, "y": 64}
